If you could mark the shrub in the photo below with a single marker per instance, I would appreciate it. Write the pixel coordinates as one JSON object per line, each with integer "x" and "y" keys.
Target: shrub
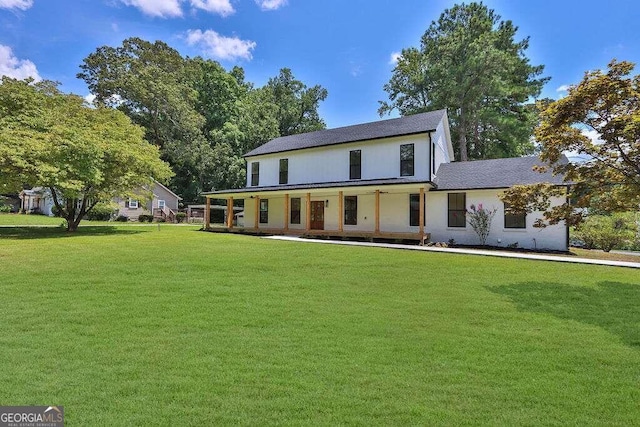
{"x": 480, "y": 220}
{"x": 145, "y": 218}
{"x": 180, "y": 217}
{"x": 101, "y": 212}
{"x": 122, "y": 218}
{"x": 607, "y": 232}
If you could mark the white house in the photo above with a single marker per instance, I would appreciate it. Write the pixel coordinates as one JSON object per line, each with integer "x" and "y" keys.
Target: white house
{"x": 388, "y": 179}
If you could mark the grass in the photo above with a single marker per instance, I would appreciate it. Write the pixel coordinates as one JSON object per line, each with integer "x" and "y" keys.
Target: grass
{"x": 133, "y": 325}
{"x": 32, "y": 219}
{"x": 610, "y": 256}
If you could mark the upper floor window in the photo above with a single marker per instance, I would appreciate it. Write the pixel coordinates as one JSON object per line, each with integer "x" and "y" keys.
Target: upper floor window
{"x": 264, "y": 211}
{"x": 406, "y": 160}
{"x": 351, "y": 210}
{"x": 457, "y": 210}
{"x": 133, "y": 204}
{"x": 414, "y": 210}
{"x": 284, "y": 171}
{"x": 255, "y": 173}
{"x": 355, "y": 164}
{"x": 514, "y": 220}
{"x": 295, "y": 210}
{"x": 433, "y": 158}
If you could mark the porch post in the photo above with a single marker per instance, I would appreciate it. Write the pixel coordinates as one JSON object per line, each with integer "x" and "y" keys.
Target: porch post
{"x": 308, "y": 212}
{"x": 340, "y": 212}
{"x": 421, "y": 211}
{"x": 230, "y": 213}
{"x": 286, "y": 212}
{"x": 207, "y": 213}
{"x": 256, "y": 223}
{"x": 377, "y": 212}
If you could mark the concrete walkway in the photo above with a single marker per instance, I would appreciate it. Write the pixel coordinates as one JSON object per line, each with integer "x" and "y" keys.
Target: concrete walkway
{"x": 502, "y": 254}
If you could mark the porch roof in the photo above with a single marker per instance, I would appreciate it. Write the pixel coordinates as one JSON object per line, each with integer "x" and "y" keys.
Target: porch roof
{"x": 323, "y": 185}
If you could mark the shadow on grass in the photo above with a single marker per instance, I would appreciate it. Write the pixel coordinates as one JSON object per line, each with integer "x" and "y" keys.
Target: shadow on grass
{"x": 22, "y": 233}
{"x": 612, "y": 306}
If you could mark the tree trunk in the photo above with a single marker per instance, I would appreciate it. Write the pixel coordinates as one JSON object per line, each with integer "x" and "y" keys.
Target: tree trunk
{"x": 462, "y": 141}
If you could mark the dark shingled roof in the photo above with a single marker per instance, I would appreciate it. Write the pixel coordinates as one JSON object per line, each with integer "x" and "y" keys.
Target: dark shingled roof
{"x": 495, "y": 173}
{"x": 417, "y": 123}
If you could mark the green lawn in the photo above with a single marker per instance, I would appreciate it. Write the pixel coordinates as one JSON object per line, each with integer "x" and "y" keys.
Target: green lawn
{"x": 138, "y": 325}
{"x": 31, "y": 219}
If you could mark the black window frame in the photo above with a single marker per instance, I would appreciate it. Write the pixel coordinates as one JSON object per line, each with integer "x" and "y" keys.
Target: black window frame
{"x": 264, "y": 211}
{"x": 459, "y": 210}
{"x": 284, "y": 171}
{"x": 255, "y": 174}
{"x": 414, "y": 210}
{"x": 355, "y": 164}
{"x": 407, "y": 163}
{"x": 514, "y": 221}
{"x": 295, "y": 214}
{"x": 350, "y": 210}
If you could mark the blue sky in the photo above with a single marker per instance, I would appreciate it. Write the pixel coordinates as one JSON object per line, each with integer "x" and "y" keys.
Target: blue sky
{"x": 344, "y": 45}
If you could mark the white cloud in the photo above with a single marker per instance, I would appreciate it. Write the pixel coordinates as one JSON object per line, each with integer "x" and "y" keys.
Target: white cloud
{"x": 11, "y": 66}
{"x": 221, "y": 7}
{"x": 270, "y": 4}
{"x": 16, "y": 4}
{"x": 563, "y": 88}
{"x": 89, "y": 98}
{"x": 394, "y": 58}
{"x": 156, "y": 8}
{"x": 220, "y": 47}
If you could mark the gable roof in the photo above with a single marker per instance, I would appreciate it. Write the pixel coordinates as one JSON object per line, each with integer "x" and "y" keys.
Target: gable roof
{"x": 495, "y": 173}
{"x": 408, "y": 125}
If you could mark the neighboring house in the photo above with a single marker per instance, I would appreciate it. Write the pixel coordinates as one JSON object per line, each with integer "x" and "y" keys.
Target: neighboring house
{"x": 164, "y": 204}
{"x": 37, "y": 200}
{"x": 387, "y": 179}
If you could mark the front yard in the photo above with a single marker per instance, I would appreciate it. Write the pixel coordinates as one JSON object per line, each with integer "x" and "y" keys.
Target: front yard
{"x": 134, "y": 325}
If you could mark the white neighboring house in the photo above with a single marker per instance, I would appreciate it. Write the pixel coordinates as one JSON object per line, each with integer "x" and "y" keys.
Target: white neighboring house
{"x": 391, "y": 179}
{"x": 163, "y": 205}
{"x": 36, "y": 200}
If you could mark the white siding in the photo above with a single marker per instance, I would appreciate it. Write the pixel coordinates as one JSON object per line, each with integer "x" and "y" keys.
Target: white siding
{"x": 380, "y": 159}
{"x": 551, "y": 237}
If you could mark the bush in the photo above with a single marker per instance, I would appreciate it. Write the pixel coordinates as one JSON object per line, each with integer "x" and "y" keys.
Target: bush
{"x": 180, "y": 217}
{"x": 607, "y": 232}
{"x": 145, "y": 218}
{"x": 122, "y": 218}
{"x": 480, "y": 220}
{"x": 101, "y": 212}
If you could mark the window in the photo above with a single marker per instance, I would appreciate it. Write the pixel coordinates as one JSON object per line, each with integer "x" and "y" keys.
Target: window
{"x": 284, "y": 171}
{"x": 133, "y": 204}
{"x": 433, "y": 158}
{"x": 406, "y": 160}
{"x": 351, "y": 210}
{"x": 264, "y": 211}
{"x": 161, "y": 204}
{"x": 295, "y": 210}
{"x": 414, "y": 210}
{"x": 355, "y": 164}
{"x": 255, "y": 173}
{"x": 457, "y": 210}
{"x": 514, "y": 220}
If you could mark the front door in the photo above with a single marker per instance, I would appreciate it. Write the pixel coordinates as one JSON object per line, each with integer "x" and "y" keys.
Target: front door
{"x": 317, "y": 215}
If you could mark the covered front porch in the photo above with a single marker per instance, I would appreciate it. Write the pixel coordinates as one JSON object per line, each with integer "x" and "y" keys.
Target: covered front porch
{"x": 390, "y": 211}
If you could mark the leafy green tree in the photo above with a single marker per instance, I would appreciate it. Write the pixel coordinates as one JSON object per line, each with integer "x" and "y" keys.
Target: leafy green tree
{"x": 82, "y": 155}
{"x": 607, "y": 232}
{"x": 470, "y": 63}
{"x": 604, "y": 104}
{"x": 297, "y": 104}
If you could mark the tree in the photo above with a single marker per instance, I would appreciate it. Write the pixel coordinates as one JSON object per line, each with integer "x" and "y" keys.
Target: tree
{"x": 297, "y": 105}
{"x": 599, "y": 119}
{"x": 82, "y": 155}
{"x": 470, "y": 63}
